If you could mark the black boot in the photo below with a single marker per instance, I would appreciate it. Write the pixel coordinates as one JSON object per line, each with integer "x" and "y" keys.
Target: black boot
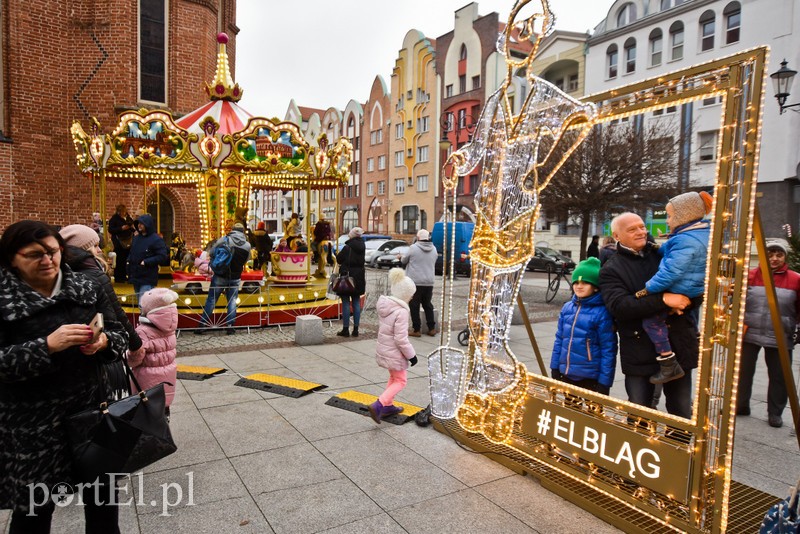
{"x": 670, "y": 370}
{"x": 355, "y": 331}
{"x": 345, "y": 332}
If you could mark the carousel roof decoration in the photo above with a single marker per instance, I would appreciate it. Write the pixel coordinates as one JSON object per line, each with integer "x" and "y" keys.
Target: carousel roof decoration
{"x": 219, "y": 136}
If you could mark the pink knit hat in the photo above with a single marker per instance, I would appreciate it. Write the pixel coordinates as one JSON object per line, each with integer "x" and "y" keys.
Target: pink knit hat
{"x": 159, "y": 297}
{"x": 80, "y": 236}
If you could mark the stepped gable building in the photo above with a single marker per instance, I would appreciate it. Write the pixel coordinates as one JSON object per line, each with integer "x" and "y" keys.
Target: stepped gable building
{"x": 414, "y": 139}
{"x": 109, "y": 57}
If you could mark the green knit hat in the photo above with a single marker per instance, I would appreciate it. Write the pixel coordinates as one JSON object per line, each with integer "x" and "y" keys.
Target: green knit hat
{"x": 587, "y": 271}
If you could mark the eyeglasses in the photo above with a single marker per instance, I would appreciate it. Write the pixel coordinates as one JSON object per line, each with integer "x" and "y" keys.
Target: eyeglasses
{"x": 39, "y": 256}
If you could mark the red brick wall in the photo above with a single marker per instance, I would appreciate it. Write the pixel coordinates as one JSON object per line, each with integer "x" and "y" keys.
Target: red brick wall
{"x": 74, "y": 59}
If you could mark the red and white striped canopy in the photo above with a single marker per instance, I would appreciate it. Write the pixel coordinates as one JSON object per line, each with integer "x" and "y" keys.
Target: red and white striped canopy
{"x": 231, "y": 117}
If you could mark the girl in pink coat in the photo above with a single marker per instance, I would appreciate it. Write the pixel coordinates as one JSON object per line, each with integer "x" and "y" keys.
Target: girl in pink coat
{"x": 394, "y": 352}
{"x": 154, "y": 362}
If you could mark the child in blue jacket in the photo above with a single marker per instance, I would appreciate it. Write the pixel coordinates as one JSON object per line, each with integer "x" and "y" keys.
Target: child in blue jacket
{"x": 682, "y": 270}
{"x": 585, "y": 349}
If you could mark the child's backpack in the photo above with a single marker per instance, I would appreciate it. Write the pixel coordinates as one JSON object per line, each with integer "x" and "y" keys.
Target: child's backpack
{"x": 223, "y": 254}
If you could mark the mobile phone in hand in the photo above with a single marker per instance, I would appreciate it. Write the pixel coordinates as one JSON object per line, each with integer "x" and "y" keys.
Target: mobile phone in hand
{"x": 97, "y": 327}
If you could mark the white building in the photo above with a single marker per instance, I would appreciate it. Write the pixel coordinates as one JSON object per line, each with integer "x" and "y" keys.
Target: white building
{"x": 641, "y": 39}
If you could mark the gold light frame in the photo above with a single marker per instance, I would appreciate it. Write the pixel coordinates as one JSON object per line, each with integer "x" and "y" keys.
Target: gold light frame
{"x": 704, "y": 444}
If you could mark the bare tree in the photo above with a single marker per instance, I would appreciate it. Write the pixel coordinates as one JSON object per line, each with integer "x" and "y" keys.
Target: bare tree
{"x": 619, "y": 167}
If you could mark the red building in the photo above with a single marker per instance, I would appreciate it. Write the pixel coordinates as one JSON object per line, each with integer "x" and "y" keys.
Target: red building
{"x": 64, "y": 60}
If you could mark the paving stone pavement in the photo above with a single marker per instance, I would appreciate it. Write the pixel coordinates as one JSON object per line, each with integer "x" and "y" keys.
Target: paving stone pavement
{"x": 260, "y": 462}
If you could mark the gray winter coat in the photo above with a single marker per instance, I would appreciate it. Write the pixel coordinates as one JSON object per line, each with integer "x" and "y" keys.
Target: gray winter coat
{"x": 420, "y": 262}
{"x": 38, "y": 391}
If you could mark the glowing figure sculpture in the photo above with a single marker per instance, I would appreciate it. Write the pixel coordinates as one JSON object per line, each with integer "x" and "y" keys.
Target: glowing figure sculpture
{"x": 519, "y": 154}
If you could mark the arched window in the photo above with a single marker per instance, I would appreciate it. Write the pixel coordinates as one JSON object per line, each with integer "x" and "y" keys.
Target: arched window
{"x": 351, "y": 128}
{"x": 612, "y": 60}
{"x": 676, "y": 40}
{"x": 626, "y": 15}
{"x": 630, "y": 55}
{"x": 707, "y": 21}
{"x": 462, "y": 54}
{"x": 732, "y": 15}
{"x": 656, "y": 44}
{"x": 166, "y": 224}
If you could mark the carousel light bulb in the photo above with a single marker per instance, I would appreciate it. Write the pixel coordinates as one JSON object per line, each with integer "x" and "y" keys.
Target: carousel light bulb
{"x": 282, "y": 298}
{"x": 187, "y": 301}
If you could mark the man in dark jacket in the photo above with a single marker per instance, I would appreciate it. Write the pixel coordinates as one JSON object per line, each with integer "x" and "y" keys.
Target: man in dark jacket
{"x": 262, "y": 242}
{"x": 621, "y": 278}
{"x": 148, "y": 251}
{"x": 226, "y": 279}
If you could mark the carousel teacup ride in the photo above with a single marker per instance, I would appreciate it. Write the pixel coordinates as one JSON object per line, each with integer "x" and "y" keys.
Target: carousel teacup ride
{"x": 289, "y": 268}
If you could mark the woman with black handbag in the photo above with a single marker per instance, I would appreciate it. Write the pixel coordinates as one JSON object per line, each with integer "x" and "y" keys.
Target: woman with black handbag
{"x": 351, "y": 263}
{"x": 49, "y": 370}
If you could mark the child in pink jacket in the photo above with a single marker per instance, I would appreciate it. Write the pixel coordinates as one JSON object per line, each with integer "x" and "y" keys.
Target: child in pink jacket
{"x": 154, "y": 362}
{"x": 394, "y": 352}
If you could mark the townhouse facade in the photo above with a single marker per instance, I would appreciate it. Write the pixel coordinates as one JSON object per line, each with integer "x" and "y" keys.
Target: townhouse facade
{"x": 414, "y": 137}
{"x": 470, "y": 69}
{"x": 375, "y": 159}
{"x": 645, "y": 38}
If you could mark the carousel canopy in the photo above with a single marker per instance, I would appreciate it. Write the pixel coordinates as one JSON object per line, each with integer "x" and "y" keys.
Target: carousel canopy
{"x": 219, "y": 148}
{"x": 218, "y": 137}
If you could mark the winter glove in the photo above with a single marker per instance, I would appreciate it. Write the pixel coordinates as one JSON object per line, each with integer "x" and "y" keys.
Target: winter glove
{"x": 413, "y": 361}
{"x": 555, "y": 374}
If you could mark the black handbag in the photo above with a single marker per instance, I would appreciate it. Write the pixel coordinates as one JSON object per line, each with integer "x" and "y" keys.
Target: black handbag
{"x": 343, "y": 285}
{"x": 122, "y": 436}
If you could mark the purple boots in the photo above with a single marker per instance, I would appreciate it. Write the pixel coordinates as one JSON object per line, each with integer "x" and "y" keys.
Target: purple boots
{"x": 378, "y": 411}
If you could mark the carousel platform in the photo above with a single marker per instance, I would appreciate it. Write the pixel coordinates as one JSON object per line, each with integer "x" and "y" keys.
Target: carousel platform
{"x": 261, "y": 302}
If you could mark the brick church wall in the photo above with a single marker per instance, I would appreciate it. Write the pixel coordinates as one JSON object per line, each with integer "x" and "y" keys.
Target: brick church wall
{"x": 71, "y": 60}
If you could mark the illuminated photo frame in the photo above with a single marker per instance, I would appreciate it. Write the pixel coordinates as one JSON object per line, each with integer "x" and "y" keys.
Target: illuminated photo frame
{"x": 639, "y": 469}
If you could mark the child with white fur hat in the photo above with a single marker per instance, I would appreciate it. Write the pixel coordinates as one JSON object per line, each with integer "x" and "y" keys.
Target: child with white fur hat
{"x": 394, "y": 351}
{"x": 154, "y": 362}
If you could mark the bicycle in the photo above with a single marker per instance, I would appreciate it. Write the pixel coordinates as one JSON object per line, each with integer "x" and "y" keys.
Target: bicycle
{"x": 554, "y": 282}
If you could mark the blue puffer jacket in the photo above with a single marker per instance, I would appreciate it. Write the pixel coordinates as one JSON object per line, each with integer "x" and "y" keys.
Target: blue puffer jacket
{"x": 586, "y": 344}
{"x": 683, "y": 265}
{"x": 150, "y": 249}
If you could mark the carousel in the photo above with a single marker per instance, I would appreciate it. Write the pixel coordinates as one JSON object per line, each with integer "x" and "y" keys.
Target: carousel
{"x": 224, "y": 154}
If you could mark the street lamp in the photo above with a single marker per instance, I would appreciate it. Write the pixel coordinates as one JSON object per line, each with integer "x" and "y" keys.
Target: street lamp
{"x": 782, "y": 81}
{"x": 465, "y": 123}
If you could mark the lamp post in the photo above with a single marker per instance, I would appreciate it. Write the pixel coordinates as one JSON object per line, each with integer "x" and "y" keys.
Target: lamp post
{"x": 449, "y": 123}
{"x": 782, "y": 82}
{"x": 464, "y": 123}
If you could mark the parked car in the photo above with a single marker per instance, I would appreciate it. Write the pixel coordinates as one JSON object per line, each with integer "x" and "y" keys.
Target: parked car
{"x": 390, "y": 259}
{"x": 366, "y": 237}
{"x": 377, "y": 247}
{"x": 549, "y": 260}
{"x": 463, "y": 238}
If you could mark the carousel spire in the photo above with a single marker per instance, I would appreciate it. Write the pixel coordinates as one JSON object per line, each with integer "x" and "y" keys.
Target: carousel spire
{"x": 222, "y": 87}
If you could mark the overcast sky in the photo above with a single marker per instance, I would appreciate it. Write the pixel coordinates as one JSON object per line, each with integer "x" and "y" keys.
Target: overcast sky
{"x": 322, "y": 53}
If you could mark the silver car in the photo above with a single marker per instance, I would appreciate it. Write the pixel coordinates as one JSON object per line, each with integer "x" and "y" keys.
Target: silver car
{"x": 378, "y": 247}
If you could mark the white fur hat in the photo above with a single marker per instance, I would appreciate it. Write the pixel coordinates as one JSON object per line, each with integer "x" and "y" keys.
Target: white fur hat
{"x": 159, "y": 297}
{"x": 402, "y": 286}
